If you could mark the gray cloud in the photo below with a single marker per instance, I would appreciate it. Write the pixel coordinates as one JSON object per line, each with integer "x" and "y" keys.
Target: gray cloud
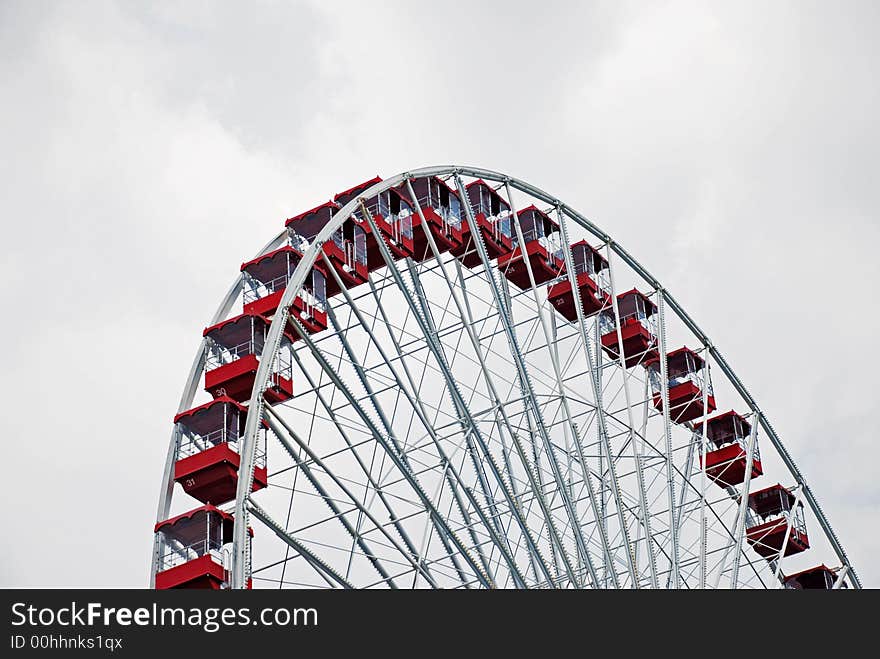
{"x": 150, "y": 149}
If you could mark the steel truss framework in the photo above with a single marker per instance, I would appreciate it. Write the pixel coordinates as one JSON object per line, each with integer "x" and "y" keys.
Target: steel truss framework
{"x": 451, "y": 430}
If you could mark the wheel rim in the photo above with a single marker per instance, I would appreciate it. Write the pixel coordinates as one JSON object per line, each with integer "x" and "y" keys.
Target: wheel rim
{"x": 470, "y": 404}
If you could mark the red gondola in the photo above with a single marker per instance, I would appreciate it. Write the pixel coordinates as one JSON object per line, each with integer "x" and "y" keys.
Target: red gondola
{"x": 233, "y": 355}
{"x": 192, "y": 548}
{"x": 726, "y": 463}
{"x": 443, "y": 214}
{"x": 684, "y": 369}
{"x": 490, "y": 210}
{"x": 266, "y": 278}
{"x": 207, "y": 459}
{"x": 820, "y": 577}
{"x": 591, "y": 270}
{"x": 394, "y": 217}
{"x": 346, "y": 249}
{"x": 775, "y": 506}
{"x": 638, "y": 329}
{"x": 538, "y": 232}
{"x": 395, "y": 229}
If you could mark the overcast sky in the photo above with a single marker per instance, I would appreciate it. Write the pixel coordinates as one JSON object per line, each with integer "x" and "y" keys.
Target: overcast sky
{"x": 148, "y": 149}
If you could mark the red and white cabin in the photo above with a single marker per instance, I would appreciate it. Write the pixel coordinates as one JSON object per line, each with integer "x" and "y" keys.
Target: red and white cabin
{"x": 726, "y": 463}
{"x": 638, "y": 329}
{"x": 540, "y": 235}
{"x": 775, "y": 506}
{"x": 489, "y": 210}
{"x": 684, "y": 370}
{"x": 192, "y": 549}
{"x": 346, "y": 250}
{"x": 387, "y": 226}
{"x": 207, "y": 459}
{"x": 591, "y": 276}
{"x": 266, "y": 278}
{"x": 820, "y": 577}
{"x": 443, "y": 214}
{"x": 395, "y": 218}
{"x": 233, "y": 354}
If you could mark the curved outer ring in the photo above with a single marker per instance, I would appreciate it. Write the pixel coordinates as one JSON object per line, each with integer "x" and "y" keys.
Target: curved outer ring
{"x": 255, "y": 408}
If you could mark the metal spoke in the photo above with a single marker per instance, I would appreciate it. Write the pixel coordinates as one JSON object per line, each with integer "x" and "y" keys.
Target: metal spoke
{"x": 634, "y": 441}
{"x": 667, "y": 426}
{"x": 326, "y": 572}
{"x": 392, "y": 449}
{"x": 744, "y": 502}
{"x": 470, "y": 426}
{"x": 526, "y": 386}
{"x": 282, "y": 431}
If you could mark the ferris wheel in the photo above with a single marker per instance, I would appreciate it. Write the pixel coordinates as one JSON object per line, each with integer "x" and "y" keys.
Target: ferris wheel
{"x": 416, "y": 385}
